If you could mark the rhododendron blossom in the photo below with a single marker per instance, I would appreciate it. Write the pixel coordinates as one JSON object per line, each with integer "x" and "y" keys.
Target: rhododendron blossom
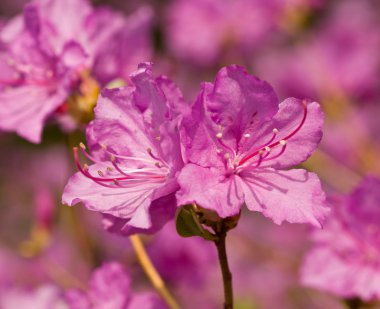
{"x": 110, "y": 287}
{"x": 239, "y": 140}
{"x": 348, "y": 265}
{"x": 52, "y": 64}
{"x": 135, "y": 150}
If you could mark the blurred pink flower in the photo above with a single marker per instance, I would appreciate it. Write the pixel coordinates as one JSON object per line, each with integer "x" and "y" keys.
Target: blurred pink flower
{"x": 339, "y": 58}
{"x": 109, "y": 288}
{"x": 239, "y": 140}
{"x": 46, "y": 55}
{"x": 348, "y": 265}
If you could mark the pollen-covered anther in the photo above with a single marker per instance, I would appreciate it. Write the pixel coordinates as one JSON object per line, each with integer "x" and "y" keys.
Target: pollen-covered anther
{"x": 247, "y": 135}
{"x": 226, "y": 155}
{"x": 275, "y": 130}
{"x": 283, "y": 142}
{"x": 83, "y": 146}
{"x": 104, "y": 146}
{"x": 158, "y": 164}
{"x": 267, "y": 149}
{"x": 219, "y": 135}
{"x": 85, "y": 167}
{"x": 112, "y": 158}
{"x": 158, "y": 138}
{"x": 100, "y": 173}
{"x": 109, "y": 169}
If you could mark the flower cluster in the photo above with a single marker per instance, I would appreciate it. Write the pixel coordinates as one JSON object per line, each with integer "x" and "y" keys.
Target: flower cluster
{"x": 152, "y": 152}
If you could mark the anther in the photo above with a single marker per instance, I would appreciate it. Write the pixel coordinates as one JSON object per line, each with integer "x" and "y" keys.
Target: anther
{"x": 85, "y": 167}
{"x": 267, "y": 148}
{"x": 158, "y": 138}
{"x": 219, "y": 135}
{"x": 100, "y": 173}
{"x": 226, "y": 155}
{"x": 247, "y": 135}
{"x": 81, "y": 145}
{"x": 283, "y": 142}
{"x": 103, "y": 146}
{"x": 158, "y": 165}
{"x": 275, "y": 130}
{"x": 112, "y": 157}
{"x": 110, "y": 169}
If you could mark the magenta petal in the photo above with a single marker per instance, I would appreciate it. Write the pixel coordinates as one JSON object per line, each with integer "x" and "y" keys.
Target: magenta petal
{"x": 120, "y": 202}
{"x": 161, "y": 211}
{"x": 326, "y": 270}
{"x": 299, "y": 146}
{"x": 73, "y": 55}
{"x": 210, "y": 189}
{"x": 27, "y": 117}
{"x": 110, "y": 286}
{"x": 295, "y": 196}
{"x": 238, "y": 101}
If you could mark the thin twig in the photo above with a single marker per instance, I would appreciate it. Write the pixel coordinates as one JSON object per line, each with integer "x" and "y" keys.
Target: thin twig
{"x": 152, "y": 273}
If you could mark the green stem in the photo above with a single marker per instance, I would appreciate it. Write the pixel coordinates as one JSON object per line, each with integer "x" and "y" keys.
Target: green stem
{"x": 226, "y": 273}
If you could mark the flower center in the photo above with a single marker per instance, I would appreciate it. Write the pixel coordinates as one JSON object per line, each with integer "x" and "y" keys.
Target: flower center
{"x": 261, "y": 154}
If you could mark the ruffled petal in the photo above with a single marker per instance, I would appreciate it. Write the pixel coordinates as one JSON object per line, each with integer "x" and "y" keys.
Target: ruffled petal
{"x": 238, "y": 102}
{"x": 304, "y": 139}
{"x": 295, "y": 196}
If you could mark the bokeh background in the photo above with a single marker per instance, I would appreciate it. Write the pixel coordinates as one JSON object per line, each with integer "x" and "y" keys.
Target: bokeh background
{"x": 325, "y": 50}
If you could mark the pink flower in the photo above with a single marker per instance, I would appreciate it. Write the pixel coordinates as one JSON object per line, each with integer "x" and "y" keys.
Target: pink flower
{"x": 49, "y": 59}
{"x": 136, "y": 153}
{"x": 348, "y": 265}
{"x": 239, "y": 140}
{"x": 110, "y": 288}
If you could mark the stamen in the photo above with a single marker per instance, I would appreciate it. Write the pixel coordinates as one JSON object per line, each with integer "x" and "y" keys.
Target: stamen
{"x": 282, "y": 141}
{"x": 150, "y": 152}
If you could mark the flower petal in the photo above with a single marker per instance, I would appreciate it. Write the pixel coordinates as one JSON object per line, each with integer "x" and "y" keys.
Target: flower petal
{"x": 326, "y": 270}
{"x": 120, "y": 202}
{"x": 300, "y": 145}
{"x": 160, "y": 212}
{"x": 208, "y": 188}
{"x": 238, "y": 102}
{"x": 295, "y": 196}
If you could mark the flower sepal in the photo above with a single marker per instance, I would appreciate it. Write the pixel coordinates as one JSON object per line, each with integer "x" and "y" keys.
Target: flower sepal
{"x": 193, "y": 220}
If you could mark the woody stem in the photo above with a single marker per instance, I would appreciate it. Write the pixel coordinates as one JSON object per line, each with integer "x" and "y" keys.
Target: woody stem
{"x": 226, "y": 273}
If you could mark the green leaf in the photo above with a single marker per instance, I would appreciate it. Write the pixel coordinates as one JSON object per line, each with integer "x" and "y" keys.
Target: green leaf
{"x": 188, "y": 225}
